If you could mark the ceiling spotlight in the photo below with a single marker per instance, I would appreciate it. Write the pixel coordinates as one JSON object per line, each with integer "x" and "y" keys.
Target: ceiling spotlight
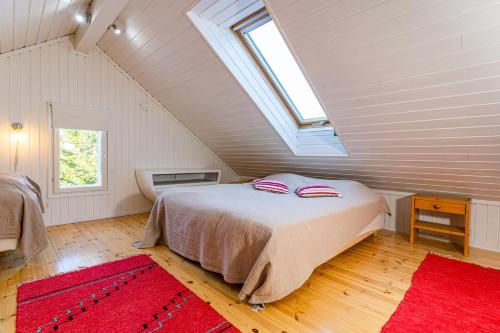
{"x": 80, "y": 18}
{"x": 115, "y": 29}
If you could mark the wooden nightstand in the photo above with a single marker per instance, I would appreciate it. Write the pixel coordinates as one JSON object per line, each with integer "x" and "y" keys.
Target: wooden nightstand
{"x": 245, "y": 180}
{"x": 459, "y": 206}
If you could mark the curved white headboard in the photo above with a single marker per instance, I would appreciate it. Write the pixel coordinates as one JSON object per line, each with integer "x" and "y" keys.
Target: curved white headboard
{"x": 152, "y": 181}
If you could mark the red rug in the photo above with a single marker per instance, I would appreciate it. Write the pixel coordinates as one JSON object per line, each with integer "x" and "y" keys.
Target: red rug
{"x": 129, "y": 295}
{"x": 448, "y": 295}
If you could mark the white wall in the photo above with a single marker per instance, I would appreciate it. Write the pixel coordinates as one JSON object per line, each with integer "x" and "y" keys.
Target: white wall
{"x": 485, "y": 219}
{"x": 144, "y": 134}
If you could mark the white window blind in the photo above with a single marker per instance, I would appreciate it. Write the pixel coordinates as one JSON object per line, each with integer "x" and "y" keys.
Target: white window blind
{"x": 80, "y": 117}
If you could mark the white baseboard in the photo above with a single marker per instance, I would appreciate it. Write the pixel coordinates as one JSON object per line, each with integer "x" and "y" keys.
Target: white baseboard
{"x": 102, "y": 216}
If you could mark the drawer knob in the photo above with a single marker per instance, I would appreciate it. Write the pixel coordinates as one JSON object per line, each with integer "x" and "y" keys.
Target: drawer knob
{"x": 436, "y": 206}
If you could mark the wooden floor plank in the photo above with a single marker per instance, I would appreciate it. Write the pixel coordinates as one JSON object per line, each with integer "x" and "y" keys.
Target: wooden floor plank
{"x": 356, "y": 291}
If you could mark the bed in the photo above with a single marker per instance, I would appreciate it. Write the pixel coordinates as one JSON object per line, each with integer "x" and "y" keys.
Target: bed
{"x": 21, "y": 219}
{"x": 271, "y": 243}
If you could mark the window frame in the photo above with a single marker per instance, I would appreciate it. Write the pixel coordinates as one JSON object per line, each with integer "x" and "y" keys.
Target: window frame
{"x": 242, "y": 28}
{"x": 103, "y": 168}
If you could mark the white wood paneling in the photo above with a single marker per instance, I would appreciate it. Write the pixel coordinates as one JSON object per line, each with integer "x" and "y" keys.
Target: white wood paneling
{"x": 411, "y": 87}
{"x": 27, "y": 22}
{"x": 485, "y": 219}
{"x": 229, "y": 48}
{"x": 143, "y": 135}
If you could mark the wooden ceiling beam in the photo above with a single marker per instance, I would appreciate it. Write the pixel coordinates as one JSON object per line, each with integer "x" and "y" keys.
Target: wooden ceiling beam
{"x": 103, "y": 13}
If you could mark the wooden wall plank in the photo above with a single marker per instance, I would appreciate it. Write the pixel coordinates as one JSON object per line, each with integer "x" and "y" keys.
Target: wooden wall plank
{"x": 144, "y": 133}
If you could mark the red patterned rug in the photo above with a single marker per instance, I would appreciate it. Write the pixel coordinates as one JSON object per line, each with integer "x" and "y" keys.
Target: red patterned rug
{"x": 129, "y": 295}
{"x": 448, "y": 295}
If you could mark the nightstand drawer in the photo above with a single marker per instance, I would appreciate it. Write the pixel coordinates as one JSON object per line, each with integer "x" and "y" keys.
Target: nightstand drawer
{"x": 439, "y": 206}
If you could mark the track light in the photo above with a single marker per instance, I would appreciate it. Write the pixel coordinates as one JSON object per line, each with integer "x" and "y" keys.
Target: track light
{"x": 115, "y": 29}
{"x": 80, "y": 18}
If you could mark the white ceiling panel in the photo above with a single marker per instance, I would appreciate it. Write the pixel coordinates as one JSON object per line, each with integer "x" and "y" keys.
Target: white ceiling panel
{"x": 411, "y": 86}
{"x": 28, "y": 22}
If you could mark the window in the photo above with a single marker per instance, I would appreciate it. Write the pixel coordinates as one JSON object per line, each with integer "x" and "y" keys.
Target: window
{"x": 265, "y": 42}
{"x": 294, "y": 114}
{"x": 79, "y": 160}
{"x": 79, "y": 151}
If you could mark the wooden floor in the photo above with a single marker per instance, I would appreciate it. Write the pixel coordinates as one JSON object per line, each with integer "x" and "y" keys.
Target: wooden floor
{"x": 356, "y": 291}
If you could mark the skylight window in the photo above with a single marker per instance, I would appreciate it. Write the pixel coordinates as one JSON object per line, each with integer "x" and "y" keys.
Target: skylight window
{"x": 270, "y": 50}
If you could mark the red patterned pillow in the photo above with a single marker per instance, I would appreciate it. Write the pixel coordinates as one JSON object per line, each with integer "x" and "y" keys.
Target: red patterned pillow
{"x": 315, "y": 191}
{"x": 270, "y": 185}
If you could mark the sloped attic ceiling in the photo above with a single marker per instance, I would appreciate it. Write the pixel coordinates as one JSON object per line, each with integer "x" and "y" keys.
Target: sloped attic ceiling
{"x": 412, "y": 87}
{"x": 25, "y": 22}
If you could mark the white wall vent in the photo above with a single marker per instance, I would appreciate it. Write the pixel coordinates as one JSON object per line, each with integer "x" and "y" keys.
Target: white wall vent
{"x": 153, "y": 181}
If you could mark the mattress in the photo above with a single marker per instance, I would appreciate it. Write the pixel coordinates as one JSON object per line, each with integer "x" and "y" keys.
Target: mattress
{"x": 269, "y": 242}
{"x": 8, "y": 244}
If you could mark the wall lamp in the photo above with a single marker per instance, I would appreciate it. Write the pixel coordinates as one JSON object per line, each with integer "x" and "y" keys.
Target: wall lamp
{"x": 17, "y": 128}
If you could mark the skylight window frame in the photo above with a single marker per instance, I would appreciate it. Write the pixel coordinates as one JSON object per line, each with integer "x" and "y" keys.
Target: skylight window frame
{"x": 242, "y": 29}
